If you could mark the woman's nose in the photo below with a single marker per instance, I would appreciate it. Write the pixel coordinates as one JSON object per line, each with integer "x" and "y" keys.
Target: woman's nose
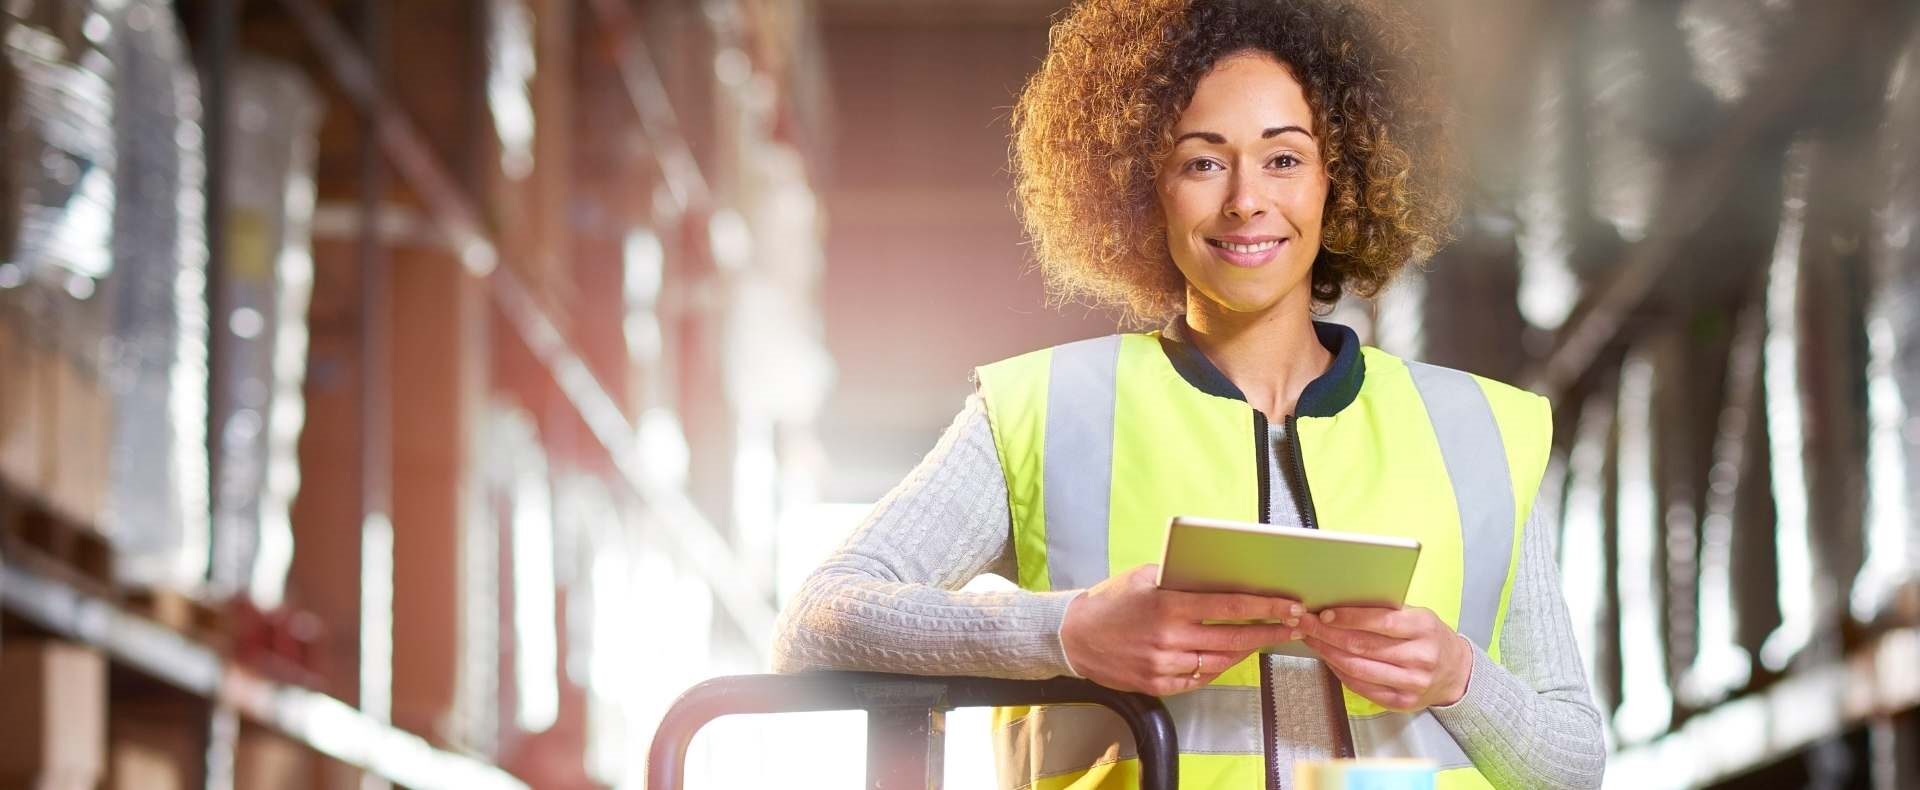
{"x": 1244, "y": 202}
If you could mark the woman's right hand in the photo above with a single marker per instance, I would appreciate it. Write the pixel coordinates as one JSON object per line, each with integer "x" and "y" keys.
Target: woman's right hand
{"x": 1126, "y": 633}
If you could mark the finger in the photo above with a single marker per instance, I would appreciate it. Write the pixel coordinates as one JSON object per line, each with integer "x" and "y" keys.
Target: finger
{"x": 1396, "y": 623}
{"x": 1235, "y": 606}
{"x": 1175, "y": 663}
{"x": 1237, "y": 638}
{"x": 1146, "y": 575}
{"x": 1352, "y": 640}
{"x": 1183, "y": 672}
{"x": 1384, "y": 696}
{"x": 1421, "y": 653}
{"x": 1182, "y": 663}
{"x": 1214, "y": 665}
{"x": 1366, "y": 669}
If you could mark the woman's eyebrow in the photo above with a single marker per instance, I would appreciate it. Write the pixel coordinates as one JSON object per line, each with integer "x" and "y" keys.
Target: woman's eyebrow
{"x": 1219, "y": 139}
{"x": 1215, "y": 138}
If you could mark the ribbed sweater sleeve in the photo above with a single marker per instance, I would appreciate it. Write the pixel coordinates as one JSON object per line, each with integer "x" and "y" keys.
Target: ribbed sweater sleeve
{"x": 889, "y": 600}
{"x": 1532, "y": 722}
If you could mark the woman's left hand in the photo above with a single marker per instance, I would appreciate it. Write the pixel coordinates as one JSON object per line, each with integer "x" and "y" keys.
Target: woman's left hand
{"x": 1401, "y": 659}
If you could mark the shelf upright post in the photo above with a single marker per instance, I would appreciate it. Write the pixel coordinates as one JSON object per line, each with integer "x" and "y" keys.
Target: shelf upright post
{"x": 376, "y": 399}
{"x": 213, "y": 61}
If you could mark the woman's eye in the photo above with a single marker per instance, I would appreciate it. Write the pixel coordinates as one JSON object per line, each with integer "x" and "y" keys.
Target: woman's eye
{"x": 1285, "y": 160}
{"x": 1203, "y": 165}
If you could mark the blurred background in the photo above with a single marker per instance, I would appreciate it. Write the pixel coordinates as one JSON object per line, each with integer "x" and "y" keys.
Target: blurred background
{"x": 425, "y": 393}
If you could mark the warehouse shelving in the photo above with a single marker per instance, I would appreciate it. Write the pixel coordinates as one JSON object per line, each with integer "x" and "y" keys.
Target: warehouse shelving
{"x": 325, "y": 724}
{"x": 1821, "y": 701}
{"x": 745, "y": 597}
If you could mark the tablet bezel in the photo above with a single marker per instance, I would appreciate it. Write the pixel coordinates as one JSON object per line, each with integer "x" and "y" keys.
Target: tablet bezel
{"x": 1328, "y": 580}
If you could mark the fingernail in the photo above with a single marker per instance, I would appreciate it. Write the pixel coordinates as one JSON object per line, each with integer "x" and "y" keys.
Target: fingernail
{"x": 1291, "y": 635}
{"x": 1294, "y": 610}
{"x": 1326, "y": 616}
{"x": 1294, "y": 621}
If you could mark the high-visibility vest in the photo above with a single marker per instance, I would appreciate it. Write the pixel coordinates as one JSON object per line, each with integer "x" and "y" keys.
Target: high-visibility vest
{"x": 1102, "y": 441}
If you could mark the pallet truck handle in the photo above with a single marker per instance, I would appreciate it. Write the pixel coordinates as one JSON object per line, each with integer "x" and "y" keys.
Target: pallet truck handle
{"x": 901, "y": 707}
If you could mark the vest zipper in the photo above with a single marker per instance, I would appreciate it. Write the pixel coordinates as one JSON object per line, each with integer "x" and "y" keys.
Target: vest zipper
{"x": 1262, "y": 446}
{"x": 1342, "y": 727}
{"x": 1267, "y": 716}
{"x": 1308, "y": 518}
{"x": 1261, "y": 467}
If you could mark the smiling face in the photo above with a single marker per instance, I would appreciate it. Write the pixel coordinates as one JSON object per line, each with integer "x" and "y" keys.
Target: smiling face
{"x": 1244, "y": 187}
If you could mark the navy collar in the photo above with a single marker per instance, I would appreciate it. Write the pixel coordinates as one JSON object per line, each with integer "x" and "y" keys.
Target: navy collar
{"x": 1323, "y": 397}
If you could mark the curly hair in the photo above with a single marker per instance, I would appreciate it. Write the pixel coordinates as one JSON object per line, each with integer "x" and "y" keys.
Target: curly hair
{"x": 1092, "y": 126}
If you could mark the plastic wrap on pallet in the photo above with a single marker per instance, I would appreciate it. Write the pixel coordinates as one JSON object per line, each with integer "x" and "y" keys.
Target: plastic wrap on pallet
{"x": 258, "y": 405}
{"x": 158, "y": 501}
{"x": 61, "y": 157}
{"x": 64, "y": 20}
{"x": 59, "y": 199}
{"x": 104, "y": 279}
{"x": 19, "y": 405}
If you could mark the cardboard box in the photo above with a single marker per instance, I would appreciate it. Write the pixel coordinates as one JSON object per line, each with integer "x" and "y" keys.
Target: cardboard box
{"x": 265, "y": 759}
{"x": 22, "y": 410}
{"x": 80, "y": 449}
{"x": 132, "y": 765}
{"x": 54, "y": 732}
{"x": 157, "y": 742}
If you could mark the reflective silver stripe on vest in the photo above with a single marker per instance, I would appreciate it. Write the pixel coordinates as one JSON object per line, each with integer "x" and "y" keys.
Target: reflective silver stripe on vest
{"x": 1476, "y": 462}
{"x": 1209, "y": 720}
{"x": 1407, "y": 735}
{"x": 1078, "y": 473}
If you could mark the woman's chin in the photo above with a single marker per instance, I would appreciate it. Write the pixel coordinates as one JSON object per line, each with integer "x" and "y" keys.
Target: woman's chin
{"x": 1245, "y": 303}
{"x": 1233, "y": 291}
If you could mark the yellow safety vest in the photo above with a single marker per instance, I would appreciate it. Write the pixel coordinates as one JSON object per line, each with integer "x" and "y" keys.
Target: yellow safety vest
{"x": 1103, "y": 440}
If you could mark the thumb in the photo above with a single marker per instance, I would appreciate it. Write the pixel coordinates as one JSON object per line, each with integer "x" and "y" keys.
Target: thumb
{"x": 1148, "y": 574}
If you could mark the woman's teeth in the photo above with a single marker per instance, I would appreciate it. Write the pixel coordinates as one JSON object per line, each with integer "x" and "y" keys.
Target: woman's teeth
{"x": 1245, "y": 248}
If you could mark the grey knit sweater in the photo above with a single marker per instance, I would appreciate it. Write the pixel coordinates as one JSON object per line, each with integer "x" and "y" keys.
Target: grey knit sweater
{"x": 888, "y": 600}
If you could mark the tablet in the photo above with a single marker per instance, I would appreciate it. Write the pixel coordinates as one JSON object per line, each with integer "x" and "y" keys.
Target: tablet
{"x": 1319, "y": 569}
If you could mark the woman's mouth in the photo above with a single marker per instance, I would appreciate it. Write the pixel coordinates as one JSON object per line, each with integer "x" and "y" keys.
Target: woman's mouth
{"x": 1246, "y": 252}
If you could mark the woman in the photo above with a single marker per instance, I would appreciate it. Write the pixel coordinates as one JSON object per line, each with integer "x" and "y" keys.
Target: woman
{"x": 1223, "y": 167}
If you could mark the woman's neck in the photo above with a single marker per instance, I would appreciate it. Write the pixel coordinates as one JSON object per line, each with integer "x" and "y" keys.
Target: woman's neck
{"x": 1270, "y": 355}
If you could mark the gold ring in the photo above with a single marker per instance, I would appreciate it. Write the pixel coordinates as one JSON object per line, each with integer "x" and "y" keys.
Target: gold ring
{"x": 1198, "y": 659}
